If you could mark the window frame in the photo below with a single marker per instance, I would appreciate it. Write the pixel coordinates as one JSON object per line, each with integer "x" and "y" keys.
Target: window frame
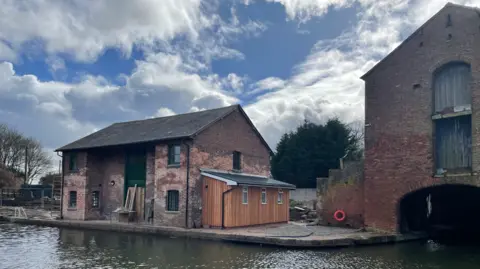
{"x": 264, "y": 195}
{"x": 172, "y": 154}
{"x": 280, "y": 197}
{"x": 245, "y": 195}
{"x": 237, "y": 161}
{"x": 167, "y": 201}
{"x": 72, "y": 162}
{"x": 98, "y": 199}
{"x": 447, "y": 120}
{"x": 70, "y": 199}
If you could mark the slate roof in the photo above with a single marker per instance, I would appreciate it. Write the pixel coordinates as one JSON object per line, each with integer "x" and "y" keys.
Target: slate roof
{"x": 246, "y": 179}
{"x": 156, "y": 129}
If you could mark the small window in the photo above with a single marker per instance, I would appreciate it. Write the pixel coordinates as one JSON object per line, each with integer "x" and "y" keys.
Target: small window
{"x": 174, "y": 154}
{"x": 245, "y": 195}
{"x": 264, "y": 196}
{"x": 72, "y": 199}
{"x": 280, "y": 197}
{"x": 95, "y": 199}
{"x": 237, "y": 157}
{"x": 172, "y": 200}
{"x": 72, "y": 162}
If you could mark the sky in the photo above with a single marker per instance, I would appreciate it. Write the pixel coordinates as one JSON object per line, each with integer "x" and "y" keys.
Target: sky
{"x": 69, "y": 68}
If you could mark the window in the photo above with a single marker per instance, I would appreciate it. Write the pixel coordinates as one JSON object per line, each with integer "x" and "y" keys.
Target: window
{"x": 245, "y": 195}
{"x": 72, "y": 162}
{"x": 264, "y": 196}
{"x": 174, "y": 154}
{"x": 172, "y": 200}
{"x": 451, "y": 87}
{"x": 72, "y": 199}
{"x": 453, "y": 140}
{"x": 452, "y": 118}
{"x": 280, "y": 197}
{"x": 95, "y": 199}
{"x": 237, "y": 157}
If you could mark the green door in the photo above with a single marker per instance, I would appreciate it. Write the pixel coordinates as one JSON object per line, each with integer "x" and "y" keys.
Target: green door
{"x": 135, "y": 170}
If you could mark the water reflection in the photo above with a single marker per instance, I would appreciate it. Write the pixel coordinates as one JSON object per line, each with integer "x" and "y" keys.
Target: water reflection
{"x": 43, "y": 247}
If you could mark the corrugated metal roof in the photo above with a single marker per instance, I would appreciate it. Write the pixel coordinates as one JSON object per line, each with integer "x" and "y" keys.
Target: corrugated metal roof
{"x": 247, "y": 179}
{"x": 164, "y": 128}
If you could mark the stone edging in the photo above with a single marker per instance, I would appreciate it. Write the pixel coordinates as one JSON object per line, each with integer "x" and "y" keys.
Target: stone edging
{"x": 354, "y": 239}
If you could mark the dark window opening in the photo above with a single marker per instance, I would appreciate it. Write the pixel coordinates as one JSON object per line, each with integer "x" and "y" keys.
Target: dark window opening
{"x": 453, "y": 139}
{"x": 72, "y": 199}
{"x": 95, "y": 199}
{"x": 174, "y": 154}
{"x": 172, "y": 200}
{"x": 72, "y": 162}
{"x": 237, "y": 158}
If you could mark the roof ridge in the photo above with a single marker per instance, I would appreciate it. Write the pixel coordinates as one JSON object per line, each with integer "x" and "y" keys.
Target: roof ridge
{"x": 461, "y": 6}
{"x": 409, "y": 37}
{"x": 176, "y": 115}
{"x": 231, "y": 173}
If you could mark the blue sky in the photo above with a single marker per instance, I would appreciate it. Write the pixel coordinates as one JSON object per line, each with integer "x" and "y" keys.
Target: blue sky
{"x": 68, "y": 68}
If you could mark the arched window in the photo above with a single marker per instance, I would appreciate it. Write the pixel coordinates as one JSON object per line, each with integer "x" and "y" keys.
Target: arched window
{"x": 451, "y": 86}
{"x": 452, "y": 116}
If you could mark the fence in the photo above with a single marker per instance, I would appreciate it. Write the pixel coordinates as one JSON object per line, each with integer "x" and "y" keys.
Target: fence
{"x": 38, "y": 201}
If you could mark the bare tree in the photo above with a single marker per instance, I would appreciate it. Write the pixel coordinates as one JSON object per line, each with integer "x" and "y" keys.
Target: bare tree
{"x": 14, "y": 147}
{"x": 11, "y": 152}
{"x": 38, "y": 161}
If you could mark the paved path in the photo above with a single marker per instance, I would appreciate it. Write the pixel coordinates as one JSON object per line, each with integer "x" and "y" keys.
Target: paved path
{"x": 298, "y": 230}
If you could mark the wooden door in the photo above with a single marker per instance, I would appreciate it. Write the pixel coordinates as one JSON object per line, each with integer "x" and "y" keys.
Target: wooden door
{"x": 136, "y": 173}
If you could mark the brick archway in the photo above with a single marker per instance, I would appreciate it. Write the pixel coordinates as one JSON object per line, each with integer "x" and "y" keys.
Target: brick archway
{"x": 440, "y": 204}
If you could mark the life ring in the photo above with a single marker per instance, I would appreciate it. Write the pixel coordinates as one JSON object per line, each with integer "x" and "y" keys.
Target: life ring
{"x": 339, "y": 215}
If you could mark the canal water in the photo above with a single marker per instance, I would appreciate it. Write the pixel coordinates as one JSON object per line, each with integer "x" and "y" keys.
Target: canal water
{"x": 34, "y": 247}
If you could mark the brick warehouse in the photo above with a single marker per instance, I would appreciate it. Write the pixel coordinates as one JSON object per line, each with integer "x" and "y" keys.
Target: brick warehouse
{"x": 168, "y": 158}
{"x": 423, "y": 115}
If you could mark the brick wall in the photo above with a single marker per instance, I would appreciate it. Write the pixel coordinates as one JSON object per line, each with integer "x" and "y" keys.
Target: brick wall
{"x": 399, "y": 136}
{"x": 169, "y": 178}
{"x": 95, "y": 174}
{"x": 150, "y": 184}
{"x": 74, "y": 181}
{"x": 213, "y": 148}
{"x": 342, "y": 190}
{"x": 113, "y": 166}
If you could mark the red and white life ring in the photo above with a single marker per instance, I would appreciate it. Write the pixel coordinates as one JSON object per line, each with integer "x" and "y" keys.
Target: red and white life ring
{"x": 339, "y": 215}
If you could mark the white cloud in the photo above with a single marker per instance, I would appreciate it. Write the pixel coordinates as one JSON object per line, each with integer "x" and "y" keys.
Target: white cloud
{"x": 270, "y": 83}
{"x": 165, "y": 80}
{"x": 84, "y": 28}
{"x": 163, "y": 112}
{"x": 327, "y": 84}
{"x": 303, "y": 10}
{"x": 176, "y": 77}
{"x": 6, "y": 53}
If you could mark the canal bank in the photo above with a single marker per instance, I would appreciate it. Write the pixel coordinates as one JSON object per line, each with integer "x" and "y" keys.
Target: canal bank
{"x": 282, "y": 235}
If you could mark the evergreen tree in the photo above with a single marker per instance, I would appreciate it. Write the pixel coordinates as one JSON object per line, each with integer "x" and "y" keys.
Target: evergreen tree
{"x": 311, "y": 150}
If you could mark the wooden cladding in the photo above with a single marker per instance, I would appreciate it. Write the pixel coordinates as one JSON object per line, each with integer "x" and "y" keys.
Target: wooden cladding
{"x": 212, "y": 201}
{"x": 238, "y": 214}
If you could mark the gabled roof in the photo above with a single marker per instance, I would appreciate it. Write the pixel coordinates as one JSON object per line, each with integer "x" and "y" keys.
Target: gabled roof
{"x": 157, "y": 129}
{"x": 243, "y": 179}
{"x": 449, "y": 4}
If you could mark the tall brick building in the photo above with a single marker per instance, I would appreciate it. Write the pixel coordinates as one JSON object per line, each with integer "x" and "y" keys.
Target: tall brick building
{"x": 165, "y": 157}
{"x": 423, "y": 115}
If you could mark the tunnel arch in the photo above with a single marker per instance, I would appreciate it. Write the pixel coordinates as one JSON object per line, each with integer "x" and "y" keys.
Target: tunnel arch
{"x": 440, "y": 208}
